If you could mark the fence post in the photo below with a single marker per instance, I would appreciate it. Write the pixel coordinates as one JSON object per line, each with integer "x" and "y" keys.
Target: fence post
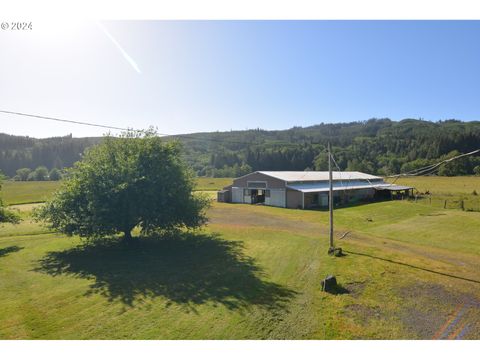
{"x": 462, "y": 205}
{"x": 445, "y": 204}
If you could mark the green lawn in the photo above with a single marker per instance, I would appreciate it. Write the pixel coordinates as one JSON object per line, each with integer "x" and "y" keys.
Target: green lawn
{"x": 209, "y": 184}
{"x": 25, "y": 192}
{"x": 443, "y": 185}
{"x": 456, "y": 191}
{"x": 410, "y": 271}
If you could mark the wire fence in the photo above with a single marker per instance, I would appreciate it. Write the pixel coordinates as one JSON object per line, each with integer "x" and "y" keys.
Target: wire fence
{"x": 465, "y": 203}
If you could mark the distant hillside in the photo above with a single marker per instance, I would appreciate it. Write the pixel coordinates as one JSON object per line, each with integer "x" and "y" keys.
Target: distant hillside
{"x": 379, "y": 146}
{"x": 22, "y": 151}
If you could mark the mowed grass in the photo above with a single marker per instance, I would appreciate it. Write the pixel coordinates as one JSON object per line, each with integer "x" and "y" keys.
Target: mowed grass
{"x": 25, "y": 192}
{"x": 443, "y": 185}
{"x": 447, "y": 192}
{"x": 410, "y": 272}
{"x": 209, "y": 184}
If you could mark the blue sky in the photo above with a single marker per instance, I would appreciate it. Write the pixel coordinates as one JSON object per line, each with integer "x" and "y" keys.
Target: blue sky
{"x": 219, "y": 75}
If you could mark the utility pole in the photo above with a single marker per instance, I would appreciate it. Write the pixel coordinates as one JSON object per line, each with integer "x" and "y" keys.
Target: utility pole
{"x": 331, "y": 249}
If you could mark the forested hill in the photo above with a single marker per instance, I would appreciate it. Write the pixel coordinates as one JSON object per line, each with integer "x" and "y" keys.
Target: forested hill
{"x": 378, "y": 146}
{"x": 18, "y": 152}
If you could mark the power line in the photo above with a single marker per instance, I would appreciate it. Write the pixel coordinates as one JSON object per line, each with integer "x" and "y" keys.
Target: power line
{"x": 340, "y": 175}
{"x": 64, "y": 120}
{"x": 416, "y": 172}
{"x": 426, "y": 170}
{"x": 120, "y": 128}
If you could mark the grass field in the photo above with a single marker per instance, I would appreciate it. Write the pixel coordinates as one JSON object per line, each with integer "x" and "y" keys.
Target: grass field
{"x": 443, "y": 185}
{"x": 25, "y": 192}
{"x": 410, "y": 271}
{"x": 447, "y": 192}
{"x": 210, "y": 184}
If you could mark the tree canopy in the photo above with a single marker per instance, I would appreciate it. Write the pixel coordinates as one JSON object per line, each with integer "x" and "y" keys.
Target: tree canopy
{"x": 54, "y": 174}
{"x": 40, "y": 173}
{"x": 137, "y": 179}
{"x": 379, "y": 146}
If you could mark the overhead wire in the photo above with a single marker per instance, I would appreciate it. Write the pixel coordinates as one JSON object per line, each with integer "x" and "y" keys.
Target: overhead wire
{"x": 427, "y": 170}
{"x": 416, "y": 172}
{"x": 122, "y": 128}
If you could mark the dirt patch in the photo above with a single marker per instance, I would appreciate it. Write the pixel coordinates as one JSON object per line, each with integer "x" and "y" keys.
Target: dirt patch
{"x": 25, "y": 207}
{"x": 432, "y": 311}
{"x": 355, "y": 289}
{"x": 363, "y": 314}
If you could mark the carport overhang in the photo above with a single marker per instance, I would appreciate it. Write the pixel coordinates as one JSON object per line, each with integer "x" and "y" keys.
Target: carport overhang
{"x": 316, "y": 188}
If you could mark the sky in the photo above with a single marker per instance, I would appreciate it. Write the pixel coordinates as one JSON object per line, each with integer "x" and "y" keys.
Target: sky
{"x": 194, "y": 76}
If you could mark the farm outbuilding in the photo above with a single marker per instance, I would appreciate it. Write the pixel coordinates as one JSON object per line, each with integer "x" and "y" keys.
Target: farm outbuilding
{"x": 308, "y": 189}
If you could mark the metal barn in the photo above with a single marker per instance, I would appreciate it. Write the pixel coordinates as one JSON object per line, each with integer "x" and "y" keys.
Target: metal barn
{"x": 308, "y": 189}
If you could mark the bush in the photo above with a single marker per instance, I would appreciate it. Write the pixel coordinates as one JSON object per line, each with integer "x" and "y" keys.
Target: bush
{"x": 476, "y": 170}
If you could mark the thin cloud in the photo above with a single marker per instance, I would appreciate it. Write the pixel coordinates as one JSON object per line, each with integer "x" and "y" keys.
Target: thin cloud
{"x": 119, "y": 47}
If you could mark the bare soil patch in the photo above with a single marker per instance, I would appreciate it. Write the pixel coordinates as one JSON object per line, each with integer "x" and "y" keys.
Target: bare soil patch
{"x": 355, "y": 289}
{"x": 363, "y": 314}
{"x": 432, "y": 311}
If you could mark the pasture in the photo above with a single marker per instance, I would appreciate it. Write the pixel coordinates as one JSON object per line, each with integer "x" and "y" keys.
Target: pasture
{"x": 210, "y": 184}
{"x": 460, "y": 192}
{"x": 410, "y": 272}
{"x": 25, "y": 192}
{"x": 443, "y": 185}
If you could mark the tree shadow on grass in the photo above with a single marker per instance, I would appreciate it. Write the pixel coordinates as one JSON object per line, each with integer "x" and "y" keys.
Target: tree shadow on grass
{"x": 9, "y": 249}
{"x": 185, "y": 268}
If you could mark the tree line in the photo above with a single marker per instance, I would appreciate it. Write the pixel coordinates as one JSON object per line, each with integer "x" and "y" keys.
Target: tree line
{"x": 377, "y": 146}
{"x": 17, "y": 152}
{"x": 41, "y": 173}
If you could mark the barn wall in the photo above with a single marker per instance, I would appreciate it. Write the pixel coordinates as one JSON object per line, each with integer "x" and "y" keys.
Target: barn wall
{"x": 237, "y": 195}
{"x": 294, "y": 199}
{"x": 277, "y": 198}
{"x": 272, "y": 183}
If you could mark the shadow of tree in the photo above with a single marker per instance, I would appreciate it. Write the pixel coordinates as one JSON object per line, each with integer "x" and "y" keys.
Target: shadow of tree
{"x": 185, "y": 268}
{"x": 9, "y": 249}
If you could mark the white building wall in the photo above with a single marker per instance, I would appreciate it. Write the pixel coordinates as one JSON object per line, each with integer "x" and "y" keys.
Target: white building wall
{"x": 237, "y": 195}
{"x": 277, "y": 198}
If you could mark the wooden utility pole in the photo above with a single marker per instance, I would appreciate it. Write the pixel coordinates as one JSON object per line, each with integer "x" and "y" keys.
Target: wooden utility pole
{"x": 330, "y": 199}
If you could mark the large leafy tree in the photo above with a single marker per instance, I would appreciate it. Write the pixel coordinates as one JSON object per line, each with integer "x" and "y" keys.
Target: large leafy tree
{"x": 23, "y": 173}
{"x": 135, "y": 180}
{"x": 55, "y": 175}
{"x": 41, "y": 173}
